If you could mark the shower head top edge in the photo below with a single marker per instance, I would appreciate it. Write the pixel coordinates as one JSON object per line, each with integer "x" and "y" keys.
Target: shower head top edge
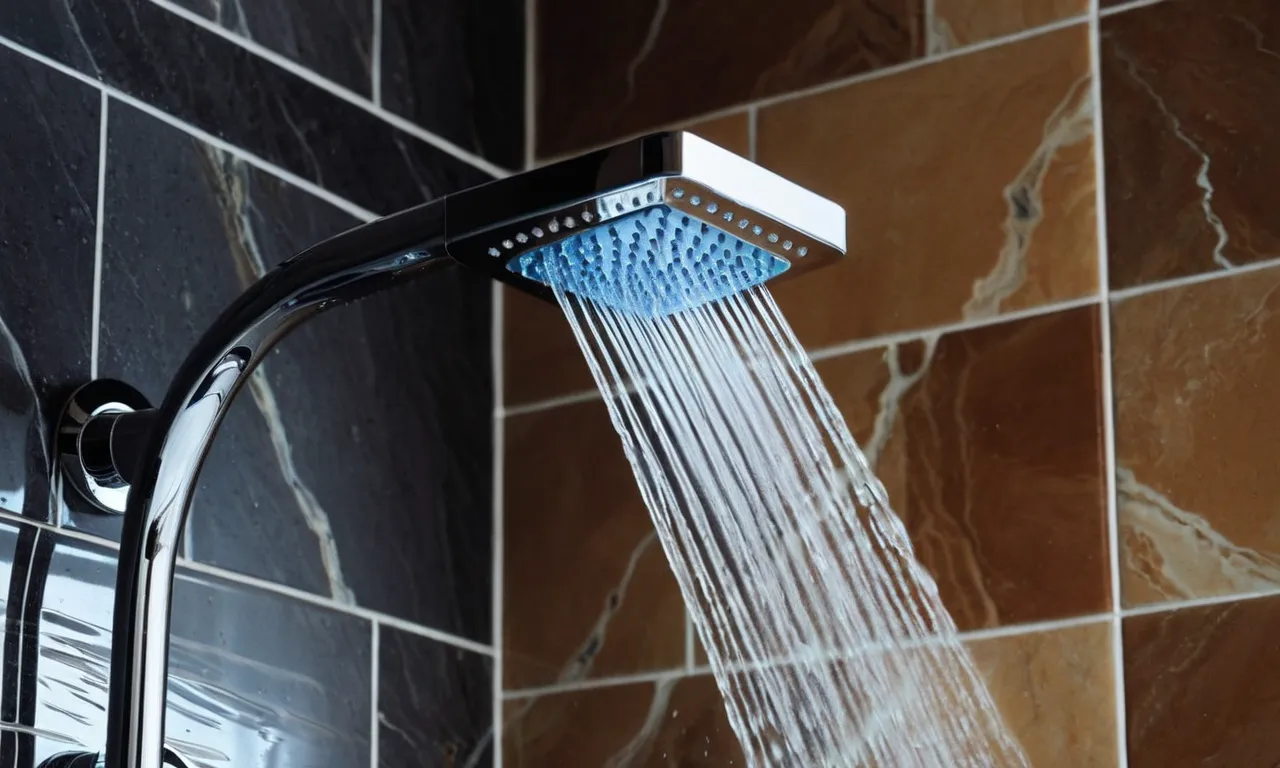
{"x": 761, "y": 190}
{"x": 577, "y": 207}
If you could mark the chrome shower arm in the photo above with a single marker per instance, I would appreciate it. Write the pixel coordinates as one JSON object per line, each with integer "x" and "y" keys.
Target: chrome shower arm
{"x": 489, "y": 228}
{"x": 344, "y": 268}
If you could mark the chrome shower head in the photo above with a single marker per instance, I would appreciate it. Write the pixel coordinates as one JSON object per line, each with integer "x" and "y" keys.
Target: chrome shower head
{"x": 651, "y": 226}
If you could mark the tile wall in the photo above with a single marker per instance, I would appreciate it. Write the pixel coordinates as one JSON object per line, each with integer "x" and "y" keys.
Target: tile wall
{"x": 334, "y": 605}
{"x": 1054, "y": 332}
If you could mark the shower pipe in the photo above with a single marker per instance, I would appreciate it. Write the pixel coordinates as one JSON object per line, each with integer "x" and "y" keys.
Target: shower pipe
{"x": 127, "y": 458}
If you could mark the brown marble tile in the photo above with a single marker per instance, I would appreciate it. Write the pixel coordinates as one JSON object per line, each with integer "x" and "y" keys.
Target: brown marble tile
{"x": 1201, "y": 688}
{"x": 957, "y": 23}
{"x": 541, "y": 358}
{"x": 607, "y": 70}
{"x": 587, "y": 589}
{"x": 1191, "y": 95}
{"x": 670, "y": 724}
{"x": 1056, "y": 691}
{"x": 1196, "y": 429}
{"x": 989, "y": 443}
{"x": 969, "y": 187}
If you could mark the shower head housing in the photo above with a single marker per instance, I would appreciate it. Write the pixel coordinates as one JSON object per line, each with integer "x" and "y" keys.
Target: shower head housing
{"x": 652, "y": 226}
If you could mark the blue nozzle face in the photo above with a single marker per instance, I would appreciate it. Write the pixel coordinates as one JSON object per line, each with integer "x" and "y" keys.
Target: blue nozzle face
{"x": 652, "y": 263}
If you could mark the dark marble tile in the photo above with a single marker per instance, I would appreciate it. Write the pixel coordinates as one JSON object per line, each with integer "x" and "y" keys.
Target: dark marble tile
{"x": 214, "y": 84}
{"x": 610, "y": 69}
{"x": 1191, "y": 94}
{"x": 49, "y": 167}
{"x": 1198, "y": 690}
{"x": 171, "y": 199}
{"x": 333, "y": 38}
{"x": 255, "y": 679}
{"x": 435, "y": 703}
{"x": 456, "y": 68}
{"x": 357, "y": 463}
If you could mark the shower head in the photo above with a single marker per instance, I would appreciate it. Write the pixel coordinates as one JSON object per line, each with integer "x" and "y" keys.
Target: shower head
{"x": 651, "y": 226}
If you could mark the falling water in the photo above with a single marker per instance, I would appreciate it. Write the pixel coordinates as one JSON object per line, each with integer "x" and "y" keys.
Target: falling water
{"x": 828, "y": 640}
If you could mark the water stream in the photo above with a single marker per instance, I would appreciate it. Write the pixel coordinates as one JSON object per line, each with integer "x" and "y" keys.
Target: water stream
{"x": 827, "y": 638}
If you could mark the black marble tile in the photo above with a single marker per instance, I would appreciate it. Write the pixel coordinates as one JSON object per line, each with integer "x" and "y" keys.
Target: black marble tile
{"x": 49, "y": 169}
{"x": 357, "y": 465}
{"x": 456, "y": 67}
{"x": 255, "y": 678}
{"x": 435, "y": 703}
{"x": 332, "y": 38}
{"x": 214, "y": 84}
{"x": 172, "y": 200}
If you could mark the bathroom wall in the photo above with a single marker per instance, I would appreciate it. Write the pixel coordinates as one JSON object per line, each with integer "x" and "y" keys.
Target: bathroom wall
{"x": 1058, "y": 320}
{"x": 334, "y": 600}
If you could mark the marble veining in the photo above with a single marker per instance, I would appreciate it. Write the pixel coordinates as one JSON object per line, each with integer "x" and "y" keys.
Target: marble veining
{"x": 435, "y": 704}
{"x": 355, "y": 465}
{"x": 954, "y": 24}
{"x": 1196, "y": 687}
{"x": 49, "y": 164}
{"x": 1178, "y": 554}
{"x": 987, "y": 441}
{"x": 574, "y": 611}
{"x": 991, "y": 154}
{"x": 1202, "y": 173}
{"x": 1070, "y": 123}
{"x": 229, "y": 176}
{"x": 1188, "y": 98}
{"x": 1193, "y": 368}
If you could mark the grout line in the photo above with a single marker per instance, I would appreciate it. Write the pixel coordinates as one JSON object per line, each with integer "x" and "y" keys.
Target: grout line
{"x": 593, "y": 683}
{"x": 95, "y": 313}
{"x": 875, "y": 342}
{"x": 269, "y": 586}
{"x": 530, "y": 87}
{"x": 328, "y": 602}
{"x": 374, "y": 656}
{"x": 1126, "y": 7}
{"x": 1106, "y": 392}
{"x": 849, "y": 347}
{"x": 342, "y": 92}
{"x": 498, "y": 550}
{"x": 861, "y": 77}
{"x": 375, "y": 55}
{"x": 753, "y": 133}
{"x": 1203, "y": 277}
{"x": 585, "y": 396}
{"x": 1198, "y": 602}
{"x": 208, "y": 138}
{"x": 694, "y": 670}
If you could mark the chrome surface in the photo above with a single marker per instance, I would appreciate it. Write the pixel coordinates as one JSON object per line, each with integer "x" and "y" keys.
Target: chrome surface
{"x": 679, "y": 170}
{"x": 505, "y": 218}
{"x": 95, "y": 404}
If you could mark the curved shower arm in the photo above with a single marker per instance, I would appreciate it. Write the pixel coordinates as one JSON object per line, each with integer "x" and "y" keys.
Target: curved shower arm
{"x": 349, "y": 266}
